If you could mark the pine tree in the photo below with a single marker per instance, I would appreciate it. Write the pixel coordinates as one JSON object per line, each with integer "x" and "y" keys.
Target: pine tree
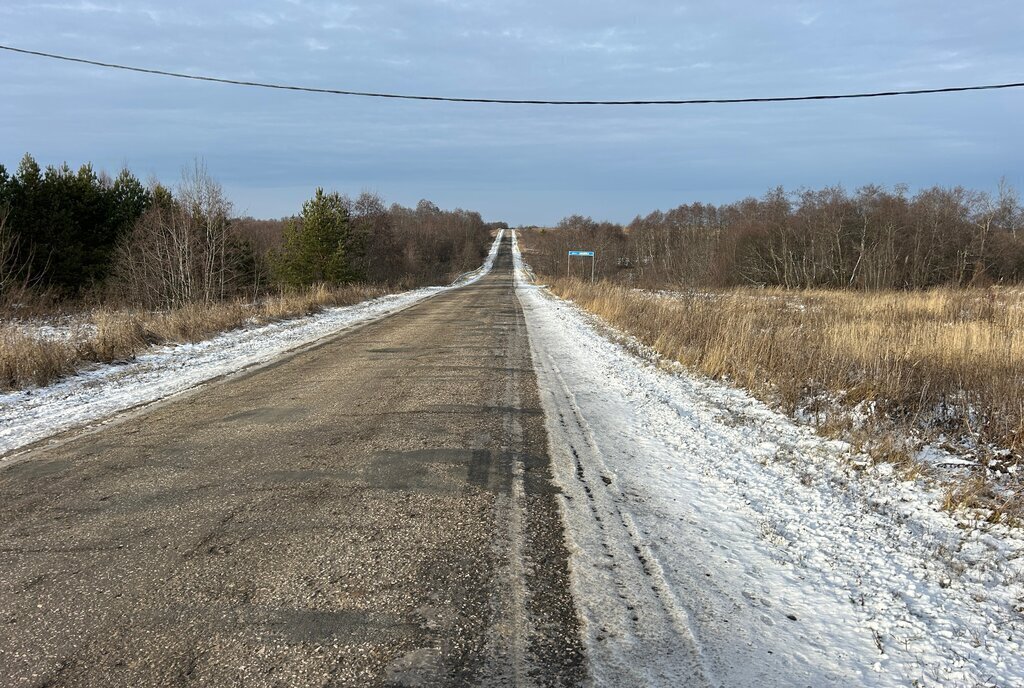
{"x": 314, "y": 244}
{"x": 67, "y": 224}
{"x": 5, "y": 190}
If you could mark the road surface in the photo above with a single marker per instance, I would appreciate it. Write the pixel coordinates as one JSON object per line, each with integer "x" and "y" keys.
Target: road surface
{"x": 375, "y": 510}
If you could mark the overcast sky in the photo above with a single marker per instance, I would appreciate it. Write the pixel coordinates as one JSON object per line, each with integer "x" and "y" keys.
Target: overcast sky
{"x": 523, "y": 164}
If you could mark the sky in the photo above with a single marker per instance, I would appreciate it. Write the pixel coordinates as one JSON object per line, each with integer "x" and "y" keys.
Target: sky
{"x": 520, "y": 164}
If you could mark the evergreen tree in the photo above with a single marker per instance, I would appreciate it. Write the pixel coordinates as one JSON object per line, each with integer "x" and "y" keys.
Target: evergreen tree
{"x": 314, "y": 244}
{"x": 68, "y": 224}
{"x": 130, "y": 200}
{"x": 24, "y": 196}
{"x": 5, "y": 190}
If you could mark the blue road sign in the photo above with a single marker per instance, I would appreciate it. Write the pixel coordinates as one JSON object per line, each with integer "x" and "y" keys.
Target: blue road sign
{"x": 581, "y": 253}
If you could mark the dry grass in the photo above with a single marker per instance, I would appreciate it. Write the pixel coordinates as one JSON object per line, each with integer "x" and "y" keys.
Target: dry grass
{"x": 947, "y": 362}
{"x": 26, "y": 360}
{"x": 106, "y": 335}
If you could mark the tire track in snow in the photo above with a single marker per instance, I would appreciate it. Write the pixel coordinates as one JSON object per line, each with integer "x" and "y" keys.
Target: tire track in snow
{"x": 653, "y": 640}
{"x": 672, "y": 578}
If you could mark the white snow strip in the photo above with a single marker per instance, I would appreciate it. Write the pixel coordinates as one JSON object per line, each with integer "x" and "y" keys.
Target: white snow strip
{"x": 714, "y": 541}
{"x": 98, "y": 393}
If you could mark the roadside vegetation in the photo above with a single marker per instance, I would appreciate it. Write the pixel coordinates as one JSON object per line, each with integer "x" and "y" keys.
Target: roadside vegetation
{"x": 873, "y": 239}
{"x": 892, "y": 322}
{"x": 95, "y": 268}
{"x": 38, "y": 351}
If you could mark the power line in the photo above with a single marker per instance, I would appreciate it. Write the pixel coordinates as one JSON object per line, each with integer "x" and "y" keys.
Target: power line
{"x": 504, "y": 101}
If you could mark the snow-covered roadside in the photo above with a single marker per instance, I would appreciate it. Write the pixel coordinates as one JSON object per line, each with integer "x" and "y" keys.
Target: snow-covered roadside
{"x": 714, "y": 541}
{"x": 93, "y": 395}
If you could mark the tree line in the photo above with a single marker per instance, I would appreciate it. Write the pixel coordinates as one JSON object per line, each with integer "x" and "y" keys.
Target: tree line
{"x": 873, "y": 238}
{"x": 83, "y": 234}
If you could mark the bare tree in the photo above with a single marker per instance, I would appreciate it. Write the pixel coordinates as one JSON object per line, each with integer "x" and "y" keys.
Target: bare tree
{"x": 206, "y": 211}
{"x": 181, "y": 250}
{"x": 16, "y": 278}
{"x": 873, "y": 239}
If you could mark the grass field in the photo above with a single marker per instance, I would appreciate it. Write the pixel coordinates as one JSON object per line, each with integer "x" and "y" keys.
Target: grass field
{"x": 890, "y": 371}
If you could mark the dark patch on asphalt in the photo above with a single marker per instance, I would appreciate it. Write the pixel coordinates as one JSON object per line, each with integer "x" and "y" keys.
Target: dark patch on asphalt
{"x": 40, "y": 469}
{"x": 267, "y": 415}
{"x": 472, "y": 409}
{"x": 318, "y": 626}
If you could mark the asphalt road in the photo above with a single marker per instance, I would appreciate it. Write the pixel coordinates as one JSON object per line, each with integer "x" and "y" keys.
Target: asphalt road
{"x": 377, "y": 510}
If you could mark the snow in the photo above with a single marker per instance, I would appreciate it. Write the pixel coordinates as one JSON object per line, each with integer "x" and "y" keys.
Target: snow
{"x": 65, "y": 329}
{"x": 101, "y": 392}
{"x": 714, "y": 541}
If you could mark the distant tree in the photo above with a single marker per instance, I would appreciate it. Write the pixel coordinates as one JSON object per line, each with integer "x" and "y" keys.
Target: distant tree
{"x": 371, "y": 250}
{"x": 182, "y": 250}
{"x": 5, "y": 188}
{"x": 8, "y": 241}
{"x": 314, "y": 244}
{"x": 67, "y": 223}
{"x": 9, "y": 267}
{"x": 871, "y": 239}
{"x": 206, "y": 212}
{"x": 67, "y": 231}
{"x": 427, "y": 208}
{"x": 130, "y": 199}
{"x": 261, "y": 239}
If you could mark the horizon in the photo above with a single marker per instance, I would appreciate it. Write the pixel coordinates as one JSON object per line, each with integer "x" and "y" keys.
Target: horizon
{"x": 171, "y": 183}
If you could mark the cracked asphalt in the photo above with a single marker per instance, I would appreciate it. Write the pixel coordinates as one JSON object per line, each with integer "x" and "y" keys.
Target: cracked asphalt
{"x": 377, "y": 510}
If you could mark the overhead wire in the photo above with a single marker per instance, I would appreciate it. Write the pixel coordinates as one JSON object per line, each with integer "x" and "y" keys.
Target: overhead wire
{"x": 509, "y": 101}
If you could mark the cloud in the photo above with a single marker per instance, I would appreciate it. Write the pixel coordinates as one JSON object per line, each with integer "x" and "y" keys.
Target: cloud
{"x": 83, "y": 6}
{"x": 603, "y": 49}
{"x": 260, "y": 20}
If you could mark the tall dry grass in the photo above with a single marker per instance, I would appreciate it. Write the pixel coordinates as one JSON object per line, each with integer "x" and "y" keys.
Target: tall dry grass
{"x": 941, "y": 362}
{"x": 102, "y": 335}
{"x": 27, "y": 361}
